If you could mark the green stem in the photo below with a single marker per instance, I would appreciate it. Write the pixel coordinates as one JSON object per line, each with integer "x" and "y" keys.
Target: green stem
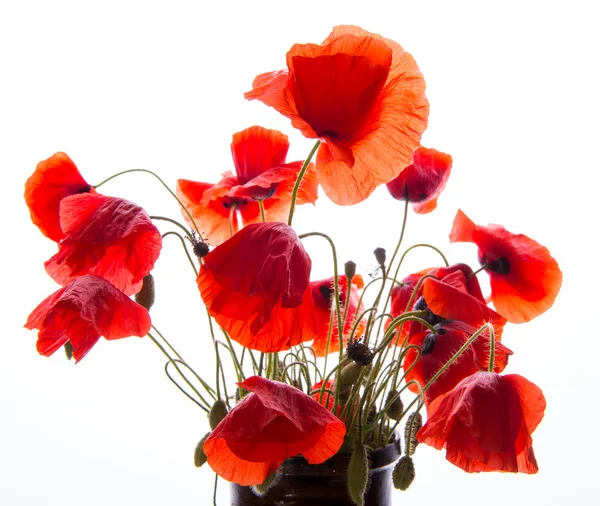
{"x": 299, "y": 180}
{"x": 175, "y": 222}
{"x": 492, "y": 348}
{"x": 189, "y": 257}
{"x": 161, "y": 182}
{"x": 262, "y": 211}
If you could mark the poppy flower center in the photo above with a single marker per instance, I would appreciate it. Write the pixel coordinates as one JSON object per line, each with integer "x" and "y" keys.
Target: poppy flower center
{"x": 430, "y": 317}
{"x": 229, "y": 202}
{"x": 499, "y": 266}
{"x": 336, "y": 94}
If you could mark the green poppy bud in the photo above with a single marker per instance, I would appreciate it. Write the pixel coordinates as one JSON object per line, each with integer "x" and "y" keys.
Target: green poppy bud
{"x": 395, "y": 409}
{"x": 358, "y": 474}
{"x": 413, "y": 424}
{"x": 404, "y": 473}
{"x": 145, "y": 297}
{"x": 349, "y": 375}
{"x": 217, "y": 413}
{"x": 69, "y": 350}
{"x": 350, "y": 270}
{"x": 270, "y": 481}
{"x": 199, "y": 455}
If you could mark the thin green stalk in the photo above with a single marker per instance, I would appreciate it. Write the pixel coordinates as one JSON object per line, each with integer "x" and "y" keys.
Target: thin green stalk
{"x": 299, "y": 180}
{"x": 174, "y": 222}
{"x": 189, "y": 257}
{"x": 185, "y": 209}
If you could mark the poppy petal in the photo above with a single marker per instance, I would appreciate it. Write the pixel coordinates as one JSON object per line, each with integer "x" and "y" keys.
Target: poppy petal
{"x": 105, "y": 236}
{"x": 256, "y": 150}
{"x": 53, "y": 179}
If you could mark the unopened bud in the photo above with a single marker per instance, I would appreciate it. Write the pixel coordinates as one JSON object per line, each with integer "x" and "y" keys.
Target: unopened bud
{"x": 145, "y": 297}
{"x": 350, "y": 270}
{"x": 217, "y": 413}
{"x": 199, "y": 455}
{"x": 413, "y": 424}
{"x": 395, "y": 409}
{"x": 348, "y": 376}
{"x": 358, "y": 474}
{"x": 404, "y": 473}
{"x": 380, "y": 256}
{"x": 69, "y": 350}
{"x": 270, "y": 481}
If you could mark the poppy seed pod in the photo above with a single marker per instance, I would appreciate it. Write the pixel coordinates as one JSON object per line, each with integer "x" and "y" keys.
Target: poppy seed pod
{"x": 199, "y": 455}
{"x": 145, "y": 297}
{"x": 350, "y": 270}
{"x": 69, "y": 350}
{"x": 404, "y": 473}
{"x": 358, "y": 474}
{"x": 380, "y": 256}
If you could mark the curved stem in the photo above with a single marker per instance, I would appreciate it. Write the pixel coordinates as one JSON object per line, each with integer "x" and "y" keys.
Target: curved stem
{"x": 174, "y": 222}
{"x": 189, "y": 257}
{"x": 161, "y": 182}
{"x": 299, "y": 180}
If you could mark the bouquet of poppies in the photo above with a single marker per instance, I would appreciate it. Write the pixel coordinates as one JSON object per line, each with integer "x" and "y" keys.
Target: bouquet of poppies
{"x": 310, "y": 367}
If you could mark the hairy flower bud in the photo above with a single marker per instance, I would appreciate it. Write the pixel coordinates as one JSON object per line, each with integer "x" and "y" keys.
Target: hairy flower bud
{"x": 395, "y": 409}
{"x": 404, "y": 473}
{"x": 358, "y": 474}
{"x": 348, "y": 376}
{"x": 270, "y": 481}
{"x": 69, "y": 350}
{"x": 199, "y": 456}
{"x": 217, "y": 413}
{"x": 413, "y": 423}
{"x": 359, "y": 352}
{"x": 145, "y": 297}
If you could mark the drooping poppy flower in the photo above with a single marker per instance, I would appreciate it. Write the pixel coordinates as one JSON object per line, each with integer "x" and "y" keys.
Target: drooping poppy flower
{"x": 261, "y": 174}
{"x": 359, "y": 93}
{"x": 53, "y": 180}
{"x": 106, "y": 236}
{"x": 422, "y": 182}
{"x": 81, "y": 312}
{"x": 323, "y": 294}
{"x": 256, "y": 286}
{"x": 448, "y": 293}
{"x": 485, "y": 423}
{"x": 275, "y": 421}
{"x": 524, "y": 278}
{"x": 438, "y": 347}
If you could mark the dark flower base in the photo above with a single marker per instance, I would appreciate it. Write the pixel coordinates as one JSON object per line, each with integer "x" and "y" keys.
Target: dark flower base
{"x": 324, "y": 484}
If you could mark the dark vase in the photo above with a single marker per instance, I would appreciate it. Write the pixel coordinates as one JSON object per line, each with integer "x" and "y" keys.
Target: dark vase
{"x": 324, "y": 484}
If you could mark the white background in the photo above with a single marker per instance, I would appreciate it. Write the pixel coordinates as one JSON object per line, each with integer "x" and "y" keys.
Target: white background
{"x": 513, "y": 88}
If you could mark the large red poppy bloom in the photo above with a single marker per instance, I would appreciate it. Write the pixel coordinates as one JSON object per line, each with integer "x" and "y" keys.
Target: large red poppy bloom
{"x": 256, "y": 286}
{"x": 106, "y": 236}
{"x": 524, "y": 278}
{"x": 81, "y": 312}
{"x": 422, "y": 182}
{"x": 437, "y": 348}
{"x": 322, "y": 293}
{"x": 363, "y": 96}
{"x": 274, "y": 422}
{"x": 260, "y": 174}
{"x": 53, "y": 180}
{"x": 452, "y": 293}
{"x": 485, "y": 423}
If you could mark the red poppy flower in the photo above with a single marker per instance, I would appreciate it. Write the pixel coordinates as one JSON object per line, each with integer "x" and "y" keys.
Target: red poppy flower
{"x": 256, "y": 286}
{"x": 453, "y": 293}
{"x": 422, "y": 182}
{"x": 437, "y": 348}
{"x": 53, "y": 179}
{"x": 274, "y": 422}
{"x": 524, "y": 278}
{"x": 363, "y": 96}
{"x": 485, "y": 423}
{"x": 322, "y": 293}
{"x": 261, "y": 174}
{"x": 81, "y": 312}
{"x": 106, "y": 236}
